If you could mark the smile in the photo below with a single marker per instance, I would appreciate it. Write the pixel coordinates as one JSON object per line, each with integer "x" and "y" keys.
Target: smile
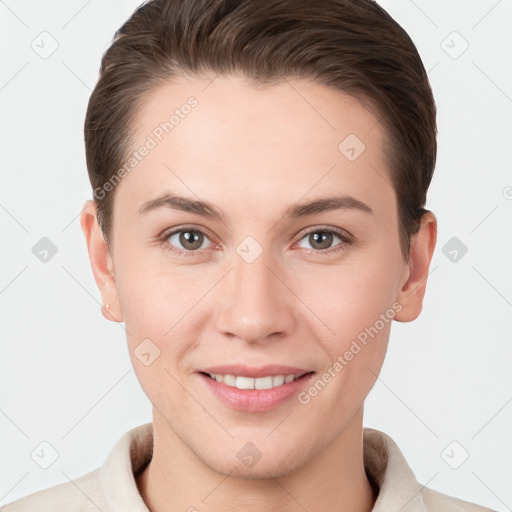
{"x": 240, "y": 382}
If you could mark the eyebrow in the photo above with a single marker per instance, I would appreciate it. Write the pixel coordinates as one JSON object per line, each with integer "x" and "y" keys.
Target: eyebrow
{"x": 206, "y": 209}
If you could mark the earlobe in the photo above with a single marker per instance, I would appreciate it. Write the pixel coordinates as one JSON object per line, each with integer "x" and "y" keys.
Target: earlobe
{"x": 412, "y": 292}
{"x": 101, "y": 262}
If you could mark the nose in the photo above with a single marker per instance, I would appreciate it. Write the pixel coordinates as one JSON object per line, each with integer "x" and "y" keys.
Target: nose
{"x": 255, "y": 302}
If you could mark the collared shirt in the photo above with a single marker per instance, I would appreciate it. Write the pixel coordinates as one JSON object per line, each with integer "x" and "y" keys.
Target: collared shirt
{"x": 113, "y": 488}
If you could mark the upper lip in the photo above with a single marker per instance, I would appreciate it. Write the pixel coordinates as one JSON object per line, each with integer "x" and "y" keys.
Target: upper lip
{"x": 254, "y": 372}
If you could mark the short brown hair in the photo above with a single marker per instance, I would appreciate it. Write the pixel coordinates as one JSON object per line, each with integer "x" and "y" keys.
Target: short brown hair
{"x": 351, "y": 45}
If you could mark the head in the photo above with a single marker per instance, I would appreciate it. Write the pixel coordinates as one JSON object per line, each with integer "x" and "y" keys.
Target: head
{"x": 253, "y": 109}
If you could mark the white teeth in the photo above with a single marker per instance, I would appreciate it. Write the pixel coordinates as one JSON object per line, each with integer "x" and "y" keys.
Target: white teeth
{"x": 229, "y": 380}
{"x": 250, "y": 383}
{"x": 277, "y": 380}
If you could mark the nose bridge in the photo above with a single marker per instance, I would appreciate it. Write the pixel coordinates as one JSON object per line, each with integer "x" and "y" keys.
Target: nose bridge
{"x": 255, "y": 303}
{"x": 252, "y": 277}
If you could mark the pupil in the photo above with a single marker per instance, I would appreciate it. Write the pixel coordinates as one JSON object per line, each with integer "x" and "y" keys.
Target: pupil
{"x": 322, "y": 235}
{"x": 188, "y": 238}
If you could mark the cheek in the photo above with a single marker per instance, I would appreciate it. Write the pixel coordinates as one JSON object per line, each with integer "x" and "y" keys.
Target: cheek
{"x": 345, "y": 299}
{"x": 160, "y": 333}
{"x": 353, "y": 312}
{"x": 160, "y": 312}
{"x": 154, "y": 295}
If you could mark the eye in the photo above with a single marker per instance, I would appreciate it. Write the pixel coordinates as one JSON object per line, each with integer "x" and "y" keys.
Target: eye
{"x": 186, "y": 241}
{"x": 321, "y": 239}
{"x": 191, "y": 241}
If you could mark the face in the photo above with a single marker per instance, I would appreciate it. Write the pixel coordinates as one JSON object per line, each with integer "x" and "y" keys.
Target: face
{"x": 266, "y": 282}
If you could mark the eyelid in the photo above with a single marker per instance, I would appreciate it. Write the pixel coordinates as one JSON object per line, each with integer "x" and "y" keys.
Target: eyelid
{"x": 171, "y": 231}
{"x": 344, "y": 234}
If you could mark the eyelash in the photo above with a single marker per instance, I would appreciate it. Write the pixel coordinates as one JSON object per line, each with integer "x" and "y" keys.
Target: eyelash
{"x": 345, "y": 240}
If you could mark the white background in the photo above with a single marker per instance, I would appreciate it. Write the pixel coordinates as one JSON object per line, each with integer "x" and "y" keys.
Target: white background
{"x": 66, "y": 376}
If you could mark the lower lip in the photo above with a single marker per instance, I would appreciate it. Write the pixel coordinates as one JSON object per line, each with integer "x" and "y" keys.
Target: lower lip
{"x": 255, "y": 400}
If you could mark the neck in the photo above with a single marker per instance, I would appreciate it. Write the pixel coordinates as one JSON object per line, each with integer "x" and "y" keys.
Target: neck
{"x": 335, "y": 479}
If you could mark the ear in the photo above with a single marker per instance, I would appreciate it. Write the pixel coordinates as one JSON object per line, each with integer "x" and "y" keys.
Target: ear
{"x": 101, "y": 262}
{"x": 414, "y": 279}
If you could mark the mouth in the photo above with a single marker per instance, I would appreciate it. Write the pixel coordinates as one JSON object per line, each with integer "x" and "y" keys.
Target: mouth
{"x": 243, "y": 394}
{"x": 255, "y": 383}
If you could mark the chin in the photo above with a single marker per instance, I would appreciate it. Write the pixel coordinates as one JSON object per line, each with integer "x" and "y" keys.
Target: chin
{"x": 260, "y": 471}
{"x": 248, "y": 463}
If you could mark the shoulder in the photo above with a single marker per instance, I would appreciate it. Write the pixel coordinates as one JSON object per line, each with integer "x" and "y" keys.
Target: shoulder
{"x": 112, "y": 486}
{"x": 84, "y": 494}
{"x": 435, "y": 500}
{"x": 398, "y": 488}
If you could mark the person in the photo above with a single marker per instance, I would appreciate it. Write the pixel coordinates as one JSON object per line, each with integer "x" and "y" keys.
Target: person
{"x": 258, "y": 221}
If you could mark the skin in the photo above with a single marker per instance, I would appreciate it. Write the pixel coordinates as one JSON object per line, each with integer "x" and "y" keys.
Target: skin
{"x": 253, "y": 152}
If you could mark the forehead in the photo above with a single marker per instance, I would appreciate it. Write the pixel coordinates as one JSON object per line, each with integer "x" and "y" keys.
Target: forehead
{"x": 219, "y": 136}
